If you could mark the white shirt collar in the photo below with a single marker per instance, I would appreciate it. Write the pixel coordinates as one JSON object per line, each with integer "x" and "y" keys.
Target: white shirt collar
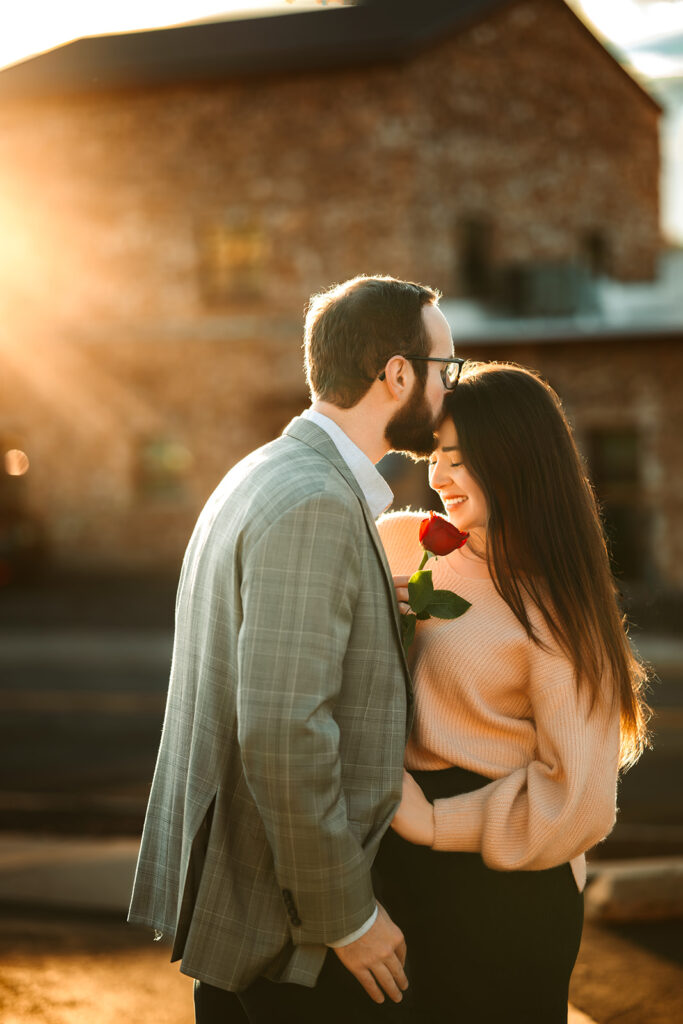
{"x": 376, "y": 490}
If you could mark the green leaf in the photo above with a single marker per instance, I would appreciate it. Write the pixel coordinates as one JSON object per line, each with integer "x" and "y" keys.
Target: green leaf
{"x": 420, "y": 590}
{"x": 408, "y": 623}
{"x": 444, "y": 604}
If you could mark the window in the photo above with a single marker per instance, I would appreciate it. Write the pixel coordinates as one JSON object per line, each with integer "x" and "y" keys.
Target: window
{"x": 595, "y": 255}
{"x": 473, "y": 246}
{"x": 614, "y": 456}
{"x": 232, "y": 257}
{"x": 161, "y": 470}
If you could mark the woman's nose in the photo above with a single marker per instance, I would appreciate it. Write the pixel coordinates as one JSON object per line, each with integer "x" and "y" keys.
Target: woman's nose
{"x": 437, "y": 477}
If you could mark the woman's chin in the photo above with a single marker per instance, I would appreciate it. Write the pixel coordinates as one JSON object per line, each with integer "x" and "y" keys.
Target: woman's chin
{"x": 458, "y": 522}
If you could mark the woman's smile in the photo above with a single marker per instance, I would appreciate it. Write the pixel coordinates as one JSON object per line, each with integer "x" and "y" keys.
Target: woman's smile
{"x": 453, "y": 500}
{"x": 447, "y": 470}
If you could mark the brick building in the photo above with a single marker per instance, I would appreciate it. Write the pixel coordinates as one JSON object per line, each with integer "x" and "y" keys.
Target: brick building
{"x": 170, "y": 199}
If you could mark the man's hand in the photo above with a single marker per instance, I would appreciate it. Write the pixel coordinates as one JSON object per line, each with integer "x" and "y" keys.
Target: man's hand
{"x": 377, "y": 959}
{"x": 414, "y": 819}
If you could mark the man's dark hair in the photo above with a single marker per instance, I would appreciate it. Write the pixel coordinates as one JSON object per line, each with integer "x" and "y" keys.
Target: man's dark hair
{"x": 354, "y": 328}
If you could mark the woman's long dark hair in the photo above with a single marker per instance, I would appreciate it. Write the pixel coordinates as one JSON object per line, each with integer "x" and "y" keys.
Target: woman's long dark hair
{"x": 545, "y": 541}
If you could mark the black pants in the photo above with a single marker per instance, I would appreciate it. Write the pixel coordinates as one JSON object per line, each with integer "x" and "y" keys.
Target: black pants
{"x": 484, "y": 947}
{"x": 337, "y": 999}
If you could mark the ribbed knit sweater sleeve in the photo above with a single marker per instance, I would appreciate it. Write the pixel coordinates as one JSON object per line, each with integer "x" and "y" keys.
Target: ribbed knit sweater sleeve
{"x": 490, "y": 700}
{"x": 563, "y": 801}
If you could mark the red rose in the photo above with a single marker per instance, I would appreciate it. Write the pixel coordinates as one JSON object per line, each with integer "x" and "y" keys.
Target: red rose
{"x": 439, "y": 536}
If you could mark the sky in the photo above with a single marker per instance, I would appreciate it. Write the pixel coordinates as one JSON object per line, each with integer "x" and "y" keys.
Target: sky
{"x": 627, "y": 21}
{"x": 647, "y": 34}
{"x": 633, "y": 24}
{"x": 36, "y": 25}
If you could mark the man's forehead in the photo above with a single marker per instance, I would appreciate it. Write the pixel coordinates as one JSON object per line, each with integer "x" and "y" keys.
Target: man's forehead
{"x": 439, "y": 331}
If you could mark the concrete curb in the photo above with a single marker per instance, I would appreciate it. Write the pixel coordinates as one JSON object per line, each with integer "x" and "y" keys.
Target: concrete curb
{"x": 75, "y": 874}
{"x": 635, "y": 890}
{"x": 97, "y": 875}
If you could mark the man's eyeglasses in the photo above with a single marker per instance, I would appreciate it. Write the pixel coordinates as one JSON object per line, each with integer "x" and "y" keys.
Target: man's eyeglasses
{"x": 450, "y": 371}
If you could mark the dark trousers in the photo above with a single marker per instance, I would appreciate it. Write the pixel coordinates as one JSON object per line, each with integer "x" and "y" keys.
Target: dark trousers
{"x": 336, "y": 999}
{"x": 484, "y": 946}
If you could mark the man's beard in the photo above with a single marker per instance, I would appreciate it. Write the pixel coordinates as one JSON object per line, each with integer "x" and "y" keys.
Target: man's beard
{"x": 411, "y": 429}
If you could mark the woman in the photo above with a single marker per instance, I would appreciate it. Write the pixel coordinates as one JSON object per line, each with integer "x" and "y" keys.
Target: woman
{"x": 526, "y": 706}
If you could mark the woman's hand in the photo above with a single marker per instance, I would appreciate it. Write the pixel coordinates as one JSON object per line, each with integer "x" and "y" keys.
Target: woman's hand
{"x": 401, "y": 586}
{"x": 414, "y": 819}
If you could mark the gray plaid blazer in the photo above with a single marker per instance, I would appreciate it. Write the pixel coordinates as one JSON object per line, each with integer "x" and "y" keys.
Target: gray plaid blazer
{"x": 289, "y": 703}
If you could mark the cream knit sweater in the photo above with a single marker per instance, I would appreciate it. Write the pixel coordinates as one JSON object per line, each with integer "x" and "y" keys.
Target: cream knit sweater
{"x": 489, "y": 700}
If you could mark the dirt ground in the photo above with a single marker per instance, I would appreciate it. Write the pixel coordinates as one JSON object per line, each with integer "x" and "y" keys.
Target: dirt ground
{"x": 631, "y": 975}
{"x": 60, "y": 969}
{"x": 78, "y": 970}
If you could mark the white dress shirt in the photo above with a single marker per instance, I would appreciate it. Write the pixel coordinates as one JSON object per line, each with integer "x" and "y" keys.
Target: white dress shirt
{"x": 376, "y": 490}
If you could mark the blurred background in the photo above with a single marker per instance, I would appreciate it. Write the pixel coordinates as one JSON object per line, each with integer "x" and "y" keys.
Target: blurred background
{"x": 170, "y": 198}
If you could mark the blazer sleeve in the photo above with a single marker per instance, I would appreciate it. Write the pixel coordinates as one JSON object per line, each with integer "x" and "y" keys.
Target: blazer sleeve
{"x": 300, "y": 583}
{"x": 560, "y": 804}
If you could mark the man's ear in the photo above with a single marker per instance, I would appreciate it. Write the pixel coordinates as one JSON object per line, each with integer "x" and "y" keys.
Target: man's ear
{"x": 397, "y": 376}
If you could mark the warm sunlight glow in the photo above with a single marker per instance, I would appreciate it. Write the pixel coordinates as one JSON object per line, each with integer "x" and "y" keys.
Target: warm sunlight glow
{"x": 69, "y": 385}
{"x": 32, "y": 28}
{"x": 19, "y": 253}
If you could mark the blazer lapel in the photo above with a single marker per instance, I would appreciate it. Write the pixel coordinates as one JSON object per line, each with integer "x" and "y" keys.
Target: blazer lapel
{"x": 315, "y": 437}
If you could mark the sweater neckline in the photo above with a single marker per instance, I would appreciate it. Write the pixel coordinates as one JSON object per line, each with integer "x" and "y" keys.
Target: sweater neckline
{"x": 470, "y": 579}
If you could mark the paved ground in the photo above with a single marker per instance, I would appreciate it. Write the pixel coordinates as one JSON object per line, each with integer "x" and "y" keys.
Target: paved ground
{"x": 71, "y": 969}
{"x": 631, "y": 974}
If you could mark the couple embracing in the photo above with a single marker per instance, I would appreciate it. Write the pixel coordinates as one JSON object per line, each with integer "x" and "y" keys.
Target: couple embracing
{"x": 334, "y": 835}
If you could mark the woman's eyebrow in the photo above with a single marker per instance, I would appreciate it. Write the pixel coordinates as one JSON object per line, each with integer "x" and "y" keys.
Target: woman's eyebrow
{"x": 450, "y": 448}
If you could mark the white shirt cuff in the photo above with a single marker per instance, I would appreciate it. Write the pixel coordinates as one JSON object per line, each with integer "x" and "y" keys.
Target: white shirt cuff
{"x": 358, "y": 932}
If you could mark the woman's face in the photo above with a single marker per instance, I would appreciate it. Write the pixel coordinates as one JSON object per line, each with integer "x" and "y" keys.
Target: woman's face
{"x": 461, "y": 495}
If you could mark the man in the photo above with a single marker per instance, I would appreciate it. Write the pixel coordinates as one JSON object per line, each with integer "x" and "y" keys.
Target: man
{"x": 280, "y": 763}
